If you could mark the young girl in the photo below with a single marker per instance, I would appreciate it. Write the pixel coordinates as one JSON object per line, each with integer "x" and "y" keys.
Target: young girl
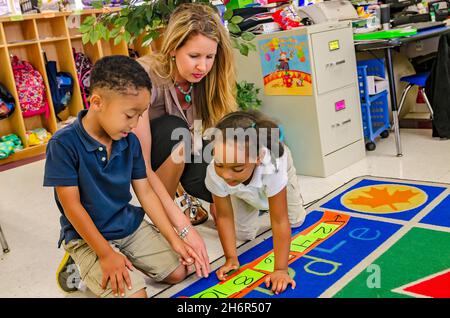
{"x": 247, "y": 175}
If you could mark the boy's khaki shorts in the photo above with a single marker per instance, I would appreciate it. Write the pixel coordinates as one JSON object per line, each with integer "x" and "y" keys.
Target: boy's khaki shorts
{"x": 146, "y": 249}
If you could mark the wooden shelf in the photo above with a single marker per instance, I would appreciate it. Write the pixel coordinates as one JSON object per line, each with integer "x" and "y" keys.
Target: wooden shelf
{"x": 22, "y": 43}
{"x": 48, "y": 15}
{"x": 18, "y": 31}
{"x": 28, "y": 38}
{"x": 52, "y": 28}
{"x": 2, "y": 35}
{"x": 56, "y": 39}
{"x": 25, "y": 153}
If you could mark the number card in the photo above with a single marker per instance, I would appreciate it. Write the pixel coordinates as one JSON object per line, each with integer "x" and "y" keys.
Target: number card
{"x": 302, "y": 242}
{"x": 323, "y": 230}
{"x": 231, "y": 286}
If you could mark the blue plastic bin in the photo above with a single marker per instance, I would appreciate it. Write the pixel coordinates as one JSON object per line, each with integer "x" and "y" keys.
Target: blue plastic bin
{"x": 374, "y": 108}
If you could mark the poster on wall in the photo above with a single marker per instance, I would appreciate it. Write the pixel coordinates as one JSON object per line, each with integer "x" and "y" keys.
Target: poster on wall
{"x": 286, "y": 65}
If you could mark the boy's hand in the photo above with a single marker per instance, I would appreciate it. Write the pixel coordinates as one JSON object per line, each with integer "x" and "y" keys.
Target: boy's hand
{"x": 230, "y": 265}
{"x": 189, "y": 257}
{"x": 115, "y": 268}
{"x": 280, "y": 279}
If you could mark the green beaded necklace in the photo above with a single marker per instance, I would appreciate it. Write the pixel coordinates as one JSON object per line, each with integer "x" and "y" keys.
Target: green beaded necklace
{"x": 187, "y": 95}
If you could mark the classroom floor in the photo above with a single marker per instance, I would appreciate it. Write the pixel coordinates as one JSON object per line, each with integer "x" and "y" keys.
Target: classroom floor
{"x": 29, "y": 217}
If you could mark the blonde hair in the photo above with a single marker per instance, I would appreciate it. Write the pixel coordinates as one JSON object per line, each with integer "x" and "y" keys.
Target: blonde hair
{"x": 215, "y": 95}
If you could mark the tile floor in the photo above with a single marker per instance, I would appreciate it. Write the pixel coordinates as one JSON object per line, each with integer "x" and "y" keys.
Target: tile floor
{"x": 29, "y": 217}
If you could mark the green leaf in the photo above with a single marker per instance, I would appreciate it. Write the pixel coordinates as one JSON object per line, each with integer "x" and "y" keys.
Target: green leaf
{"x": 233, "y": 28}
{"x": 156, "y": 22}
{"x": 121, "y": 21}
{"x": 85, "y": 28}
{"x": 237, "y": 19}
{"x": 243, "y": 49}
{"x": 107, "y": 35}
{"x": 251, "y": 46}
{"x": 125, "y": 11}
{"x": 94, "y": 36}
{"x": 248, "y": 36}
{"x": 149, "y": 14}
{"x": 89, "y": 20}
{"x": 247, "y": 96}
{"x": 97, "y": 4}
{"x": 127, "y": 36}
{"x": 85, "y": 38}
{"x": 118, "y": 39}
{"x": 114, "y": 32}
{"x": 132, "y": 27}
{"x": 228, "y": 14}
{"x": 101, "y": 29}
{"x": 147, "y": 40}
{"x": 139, "y": 11}
{"x": 234, "y": 43}
{"x": 163, "y": 8}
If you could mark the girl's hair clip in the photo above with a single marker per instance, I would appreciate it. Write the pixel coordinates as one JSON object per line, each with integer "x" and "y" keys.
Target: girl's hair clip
{"x": 281, "y": 138}
{"x": 253, "y": 125}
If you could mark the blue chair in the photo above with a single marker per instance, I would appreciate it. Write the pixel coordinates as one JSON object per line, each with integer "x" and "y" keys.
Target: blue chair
{"x": 418, "y": 80}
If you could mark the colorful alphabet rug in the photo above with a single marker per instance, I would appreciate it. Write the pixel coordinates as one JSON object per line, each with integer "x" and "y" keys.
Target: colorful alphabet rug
{"x": 372, "y": 237}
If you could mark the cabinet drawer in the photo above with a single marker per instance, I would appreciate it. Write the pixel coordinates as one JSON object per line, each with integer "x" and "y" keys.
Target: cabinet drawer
{"x": 334, "y": 59}
{"x": 339, "y": 115}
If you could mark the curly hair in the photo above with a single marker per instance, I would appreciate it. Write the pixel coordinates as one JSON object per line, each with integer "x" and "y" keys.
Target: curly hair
{"x": 119, "y": 73}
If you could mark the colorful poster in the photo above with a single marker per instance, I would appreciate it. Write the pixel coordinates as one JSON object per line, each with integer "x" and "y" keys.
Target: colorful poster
{"x": 286, "y": 65}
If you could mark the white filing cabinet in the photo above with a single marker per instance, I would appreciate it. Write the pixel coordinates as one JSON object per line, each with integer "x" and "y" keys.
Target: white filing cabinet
{"x": 323, "y": 128}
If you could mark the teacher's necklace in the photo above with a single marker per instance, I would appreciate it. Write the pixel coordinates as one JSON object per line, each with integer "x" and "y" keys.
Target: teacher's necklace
{"x": 187, "y": 95}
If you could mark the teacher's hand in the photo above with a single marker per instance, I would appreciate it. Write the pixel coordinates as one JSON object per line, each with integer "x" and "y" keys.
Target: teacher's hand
{"x": 196, "y": 242}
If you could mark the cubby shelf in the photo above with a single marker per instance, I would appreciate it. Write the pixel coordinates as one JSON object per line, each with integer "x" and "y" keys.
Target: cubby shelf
{"x": 22, "y": 43}
{"x": 25, "y": 153}
{"x": 56, "y": 34}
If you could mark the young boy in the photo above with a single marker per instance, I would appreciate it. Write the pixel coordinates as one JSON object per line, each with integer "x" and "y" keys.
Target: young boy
{"x": 91, "y": 163}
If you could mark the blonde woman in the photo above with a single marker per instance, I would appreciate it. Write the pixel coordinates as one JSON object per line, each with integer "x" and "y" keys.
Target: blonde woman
{"x": 193, "y": 79}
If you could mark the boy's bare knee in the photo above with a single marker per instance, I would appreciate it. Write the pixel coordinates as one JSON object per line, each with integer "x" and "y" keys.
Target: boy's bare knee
{"x": 178, "y": 275}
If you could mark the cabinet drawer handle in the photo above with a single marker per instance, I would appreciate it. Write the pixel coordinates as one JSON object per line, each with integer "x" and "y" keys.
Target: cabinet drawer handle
{"x": 346, "y": 121}
{"x": 334, "y": 63}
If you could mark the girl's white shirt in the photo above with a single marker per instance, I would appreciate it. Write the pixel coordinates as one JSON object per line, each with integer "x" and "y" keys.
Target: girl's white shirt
{"x": 269, "y": 178}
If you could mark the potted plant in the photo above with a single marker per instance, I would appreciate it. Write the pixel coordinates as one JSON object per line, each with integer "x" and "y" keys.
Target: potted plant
{"x": 247, "y": 96}
{"x": 146, "y": 19}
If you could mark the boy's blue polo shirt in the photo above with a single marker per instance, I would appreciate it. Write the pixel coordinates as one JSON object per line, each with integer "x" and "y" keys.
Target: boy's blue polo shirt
{"x": 74, "y": 158}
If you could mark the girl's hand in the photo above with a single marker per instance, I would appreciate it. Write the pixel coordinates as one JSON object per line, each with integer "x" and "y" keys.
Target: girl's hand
{"x": 280, "y": 279}
{"x": 230, "y": 264}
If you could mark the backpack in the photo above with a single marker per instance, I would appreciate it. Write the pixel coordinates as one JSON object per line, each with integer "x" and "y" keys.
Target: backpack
{"x": 84, "y": 66}
{"x": 30, "y": 88}
{"x": 7, "y": 103}
{"x": 61, "y": 86}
